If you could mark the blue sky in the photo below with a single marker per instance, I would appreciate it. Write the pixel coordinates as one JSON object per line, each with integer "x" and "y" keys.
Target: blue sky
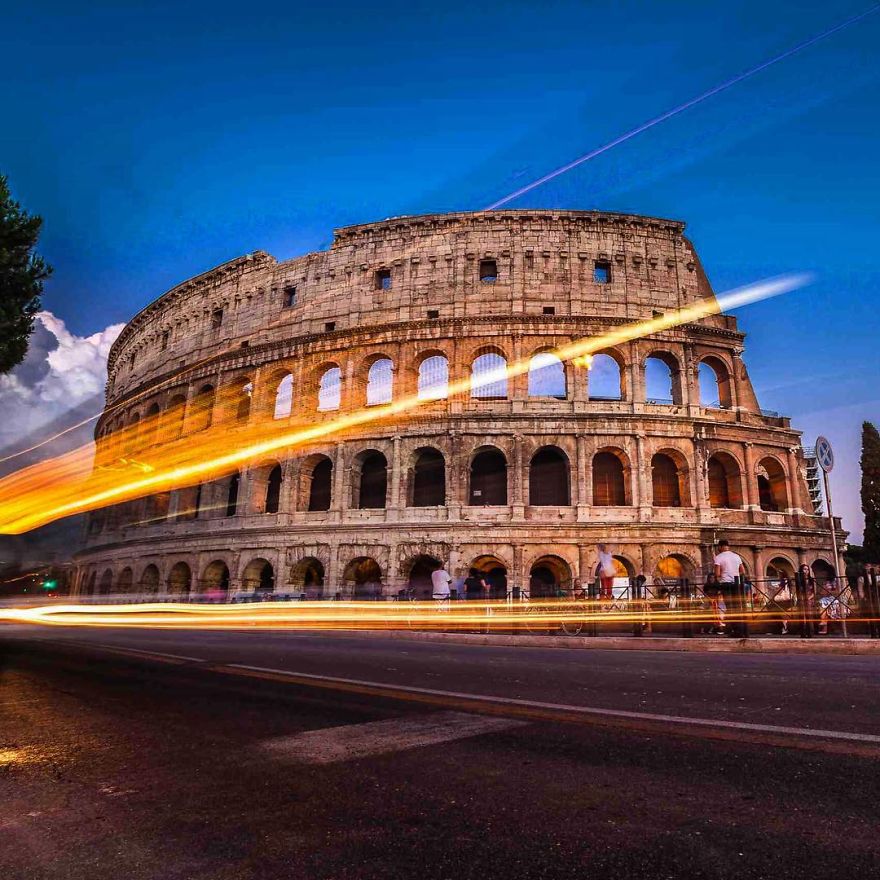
{"x": 160, "y": 139}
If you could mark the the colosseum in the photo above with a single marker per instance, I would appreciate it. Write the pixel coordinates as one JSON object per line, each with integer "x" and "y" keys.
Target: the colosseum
{"x": 658, "y": 447}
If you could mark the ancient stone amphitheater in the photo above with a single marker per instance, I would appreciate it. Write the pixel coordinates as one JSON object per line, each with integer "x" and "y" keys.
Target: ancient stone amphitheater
{"x": 657, "y": 447}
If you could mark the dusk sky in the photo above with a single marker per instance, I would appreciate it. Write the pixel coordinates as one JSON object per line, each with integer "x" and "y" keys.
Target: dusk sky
{"x": 158, "y": 140}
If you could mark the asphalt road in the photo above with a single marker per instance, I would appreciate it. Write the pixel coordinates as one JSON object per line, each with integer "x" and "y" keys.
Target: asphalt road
{"x": 263, "y": 755}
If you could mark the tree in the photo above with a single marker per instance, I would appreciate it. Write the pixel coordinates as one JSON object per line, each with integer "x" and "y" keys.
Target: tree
{"x": 22, "y": 273}
{"x": 871, "y": 491}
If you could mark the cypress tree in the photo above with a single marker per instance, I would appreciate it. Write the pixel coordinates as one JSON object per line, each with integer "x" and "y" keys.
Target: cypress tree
{"x": 22, "y": 273}
{"x": 871, "y": 491}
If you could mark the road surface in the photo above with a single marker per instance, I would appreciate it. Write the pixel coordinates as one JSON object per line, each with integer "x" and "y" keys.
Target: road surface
{"x": 168, "y": 754}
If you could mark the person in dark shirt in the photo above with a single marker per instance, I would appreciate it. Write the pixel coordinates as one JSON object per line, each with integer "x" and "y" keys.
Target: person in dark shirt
{"x": 475, "y": 585}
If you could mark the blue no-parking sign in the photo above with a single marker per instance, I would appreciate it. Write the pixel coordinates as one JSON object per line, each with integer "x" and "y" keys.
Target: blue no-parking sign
{"x": 824, "y": 454}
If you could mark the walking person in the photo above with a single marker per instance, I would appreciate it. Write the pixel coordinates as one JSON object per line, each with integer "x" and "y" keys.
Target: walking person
{"x": 606, "y": 571}
{"x": 476, "y": 590}
{"x": 728, "y": 566}
{"x": 440, "y": 581}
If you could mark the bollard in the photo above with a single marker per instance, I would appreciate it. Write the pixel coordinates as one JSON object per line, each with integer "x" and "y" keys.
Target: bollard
{"x": 873, "y": 595}
{"x": 744, "y": 610}
{"x": 592, "y": 604}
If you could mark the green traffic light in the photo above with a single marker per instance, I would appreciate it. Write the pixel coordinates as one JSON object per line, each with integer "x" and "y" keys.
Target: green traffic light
{"x": 50, "y": 585}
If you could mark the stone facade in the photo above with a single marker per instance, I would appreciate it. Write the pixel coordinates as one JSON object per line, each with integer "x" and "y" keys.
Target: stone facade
{"x": 455, "y": 288}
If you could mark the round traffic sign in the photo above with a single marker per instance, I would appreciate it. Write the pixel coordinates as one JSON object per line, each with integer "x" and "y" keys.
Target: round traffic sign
{"x": 824, "y": 454}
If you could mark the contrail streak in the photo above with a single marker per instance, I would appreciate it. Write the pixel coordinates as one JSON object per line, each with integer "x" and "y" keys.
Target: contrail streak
{"x": 681, "y": 108}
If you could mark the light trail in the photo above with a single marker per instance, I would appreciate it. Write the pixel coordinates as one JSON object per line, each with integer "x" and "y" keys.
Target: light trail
{"x": 487, "y": 616}
{"x": 74, "y": 483}
{"x": 675, "y": 111}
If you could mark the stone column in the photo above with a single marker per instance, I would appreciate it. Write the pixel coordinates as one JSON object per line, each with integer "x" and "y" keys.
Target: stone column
{"x": 520, "y": 476}
{"x": 753, "y": 502}
{"x": 584, "y": 479}
{"x": 690, "y": 393}
{"x": 794, "y": 482}
{"x": 453, "y": 477}
{"x": 699, "y": 482}
{"x": 757, "y": 564}
{"x": 340, "y": 500}
{"x": 394, "y": 506}
{"x": 517, "y": 577}
{"x": 580, "y": 382}
{"x": 642, "y": 501}
{"x": 584, "y": 565}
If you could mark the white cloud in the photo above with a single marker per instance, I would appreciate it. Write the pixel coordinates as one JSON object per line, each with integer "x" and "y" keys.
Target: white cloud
{"x": 61, "y": 375}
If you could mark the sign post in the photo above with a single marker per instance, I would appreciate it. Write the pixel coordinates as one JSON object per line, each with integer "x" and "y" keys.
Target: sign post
{"x": 825, "y": 457}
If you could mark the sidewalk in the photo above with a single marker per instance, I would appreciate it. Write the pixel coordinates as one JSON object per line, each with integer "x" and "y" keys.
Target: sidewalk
{"x": 708, "y": 645}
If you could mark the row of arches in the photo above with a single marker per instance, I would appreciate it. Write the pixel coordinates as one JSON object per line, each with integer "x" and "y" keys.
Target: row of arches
{"x": 364, "y": 578}
{"x": 547, "y": 377}
{"x": 549, "y": 481}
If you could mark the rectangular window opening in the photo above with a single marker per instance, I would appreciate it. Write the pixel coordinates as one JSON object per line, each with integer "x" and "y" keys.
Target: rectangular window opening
{"x": 165, "y": 337}
{"x": 488, "y": 271}
{"x": 289, "y": 296}
{"x": 216, "y": 318}
{"x": 383, "y": 279}
{"x": 330, "y": 326}
{"x": 602, "y": 272}
{"x": 433, "y": 313}
{"x": 549, "y": 310}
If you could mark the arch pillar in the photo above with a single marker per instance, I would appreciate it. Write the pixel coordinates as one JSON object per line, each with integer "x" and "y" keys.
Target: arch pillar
{"x": 794, "y": 482}
{"x": 339, "y": 502}
{"x": 453, "y": 477}
{"x": 584, "y": 478}
{"x": 520, "y": 478}
{"x": 584, "y": 564}
{"x": 517, "y": 575}
{"x": 394, "y": 501}
{"x": 641, "y": 484}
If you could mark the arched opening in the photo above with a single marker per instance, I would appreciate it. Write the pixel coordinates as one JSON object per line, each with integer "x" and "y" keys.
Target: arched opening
{"x": 779, "y": 567}
{"x": 772, "y": 492}
{"x": 244, "y": 394}
{"x": 494, "y": 571}
{"x": 433, "y": 383}
{"x": 90, "y": 584}
{"x": 549, "y": 478}
{"x": 150, "y": 580}
{"x": 150, "y": 426}
{"x": 179, "y": 578}
{"x": 662, "y": 374}
{"x": 609, "y": 480}
{"x": 420, "y": 576}
{"x": 259, "y": 576}
{"x": 232, "y": 494}
{"x": 365, "y": 577}
{"x": 714, "y": 380}
{"x": 369, "y": 477}
{"x": 668, "y": 482}
{"x": 606, "y": 377}
{"x": 548, "y": 575}
{"x": 380, "y": 382}
{"x": 273, "y": 489}
{"x": 547, "y": 376}
{"x": 202, "y": 409}
{"x": 156, "y": 507}
{"x": 124, "y": 581}
{"x": 673, "y": 567}
{"x": 320, "y": 480}
{"x": 429, "y": 479}
{"x": 106, "y": 584}
{"x": 488, "y": 478}
{"x": 307, "y": 576}
{"x": 283, "y": 398}
{"x": 330, "y": 390}
{"x": 489, "y": 376}
{"x": 725, "y": 483}
{"x": 215, "y": 577}
{"x": 822, "y": 572}
{"x": 189, "y": 502}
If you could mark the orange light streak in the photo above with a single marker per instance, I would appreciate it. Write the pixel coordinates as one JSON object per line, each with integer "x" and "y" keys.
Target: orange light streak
{"x": 125, "y": 467}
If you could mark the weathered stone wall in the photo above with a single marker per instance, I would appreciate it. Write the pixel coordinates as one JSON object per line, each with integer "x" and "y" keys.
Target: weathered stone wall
{"x": 436, "y": 304}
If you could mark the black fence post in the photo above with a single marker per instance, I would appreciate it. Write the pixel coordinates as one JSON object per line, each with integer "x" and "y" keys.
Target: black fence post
{"x": 873, "y": 596}
{"x": 636, "y": 605}
{"x": 684, "y": 608}
{"x": 744, "y": 608}
{"x": 592, "y": 593}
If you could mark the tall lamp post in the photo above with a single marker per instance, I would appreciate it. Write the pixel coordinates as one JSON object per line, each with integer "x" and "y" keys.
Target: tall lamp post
{"x": 825, "y": 457}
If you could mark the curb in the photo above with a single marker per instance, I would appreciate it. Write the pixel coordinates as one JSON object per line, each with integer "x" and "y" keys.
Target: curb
{"x": 630, "y": 643}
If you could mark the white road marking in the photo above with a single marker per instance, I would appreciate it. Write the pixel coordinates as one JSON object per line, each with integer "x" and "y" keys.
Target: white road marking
{"x": 333, "y": 744}
{"x": 125, "y": 650}
{"x": 581, "y": 710}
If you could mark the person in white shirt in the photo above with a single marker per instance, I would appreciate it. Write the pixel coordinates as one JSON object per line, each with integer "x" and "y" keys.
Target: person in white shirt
{"x": 728, "y": 566}
{"x": 440, "y": 581}
{"x": 606, "y": 573}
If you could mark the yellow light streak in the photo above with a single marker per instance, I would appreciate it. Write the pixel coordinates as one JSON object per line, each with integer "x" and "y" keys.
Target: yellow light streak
{"x": 126, "y": 467}
{"x": 485, "y": 616}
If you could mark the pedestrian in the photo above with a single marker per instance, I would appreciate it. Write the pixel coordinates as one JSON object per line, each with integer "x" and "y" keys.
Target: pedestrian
{"x": 440, "y": 581}
{"x": 605, "y": 571}
{"x": 806, "y": 598}
{"x": 476, "y": 588}
{"x": 728, "y": 567}
{"x": 458, "y": 584}
{"x": 712, "y": 592}
{"x": 783, "y": 600}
